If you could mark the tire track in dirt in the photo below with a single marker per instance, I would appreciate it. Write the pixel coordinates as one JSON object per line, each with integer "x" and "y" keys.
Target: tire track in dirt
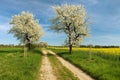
{"x": 46, "y": 72}
{"x": 77, "y": 72}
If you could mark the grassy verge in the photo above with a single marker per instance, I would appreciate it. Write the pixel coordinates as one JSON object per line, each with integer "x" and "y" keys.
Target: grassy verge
{"x": 60, "y": 71}
{"x": 14, "y": 67}
{"x": 101, "y": 67}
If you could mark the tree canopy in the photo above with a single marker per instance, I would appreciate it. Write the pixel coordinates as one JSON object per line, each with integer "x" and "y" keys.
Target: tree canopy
{"x": 25, "y": 28}
{"x": 72, "y": 20}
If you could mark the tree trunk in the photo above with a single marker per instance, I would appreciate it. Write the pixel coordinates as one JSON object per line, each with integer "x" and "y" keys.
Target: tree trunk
{"x": 29, "y": 46}
{"x": 28, "y": 41}
{"x": 70, "y": 48}
{"x": 70, "y": 39}
{"x": 70, "y": 44}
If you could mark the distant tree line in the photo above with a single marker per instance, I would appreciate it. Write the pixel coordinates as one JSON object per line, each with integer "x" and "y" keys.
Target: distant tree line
{"x": 87, "y": 46}
{"x": 99, "y": 46}
{"x": 10, "y": 45}
{"x": 37, "y": 45}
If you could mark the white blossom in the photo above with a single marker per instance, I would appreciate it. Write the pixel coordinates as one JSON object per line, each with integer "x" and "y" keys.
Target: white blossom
{"x": 25, "y": 28}
{"x": 71, "y": 19}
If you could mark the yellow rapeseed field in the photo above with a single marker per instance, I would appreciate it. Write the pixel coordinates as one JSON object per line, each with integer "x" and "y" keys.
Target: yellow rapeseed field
{"x": 115, "y": 51}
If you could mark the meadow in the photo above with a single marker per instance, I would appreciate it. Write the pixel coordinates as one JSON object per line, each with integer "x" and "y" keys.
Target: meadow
{"x": 13, "y": 66}
{"x": 103, "y": 65}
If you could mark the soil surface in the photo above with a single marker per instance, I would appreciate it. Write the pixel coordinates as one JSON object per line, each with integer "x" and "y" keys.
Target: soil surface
{"x": 46, "y": 72}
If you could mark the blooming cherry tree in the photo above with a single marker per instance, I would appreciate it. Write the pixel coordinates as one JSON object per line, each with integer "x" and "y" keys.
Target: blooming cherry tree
{"x": 25, "y": 28}
{"x": 72, "y": 20}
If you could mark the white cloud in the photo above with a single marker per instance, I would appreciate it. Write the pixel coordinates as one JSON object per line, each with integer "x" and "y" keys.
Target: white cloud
{"x": 106, "y": 22}
{"x": 4, "y": 27}
{"x": 53, "y": 38}
{"x": 45, "y": 25}
{"x": 3, "y": 17}
{"x": 4, "y": 23}
{"x": 103, "y": 40}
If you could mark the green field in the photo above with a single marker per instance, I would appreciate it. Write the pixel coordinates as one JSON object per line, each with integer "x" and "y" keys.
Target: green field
{"x": 102, "y": 66}
{"x": 13, "y": 66}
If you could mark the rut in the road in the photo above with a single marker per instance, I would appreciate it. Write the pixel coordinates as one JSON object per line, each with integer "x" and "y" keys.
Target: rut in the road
{"x": 46, "y": 72}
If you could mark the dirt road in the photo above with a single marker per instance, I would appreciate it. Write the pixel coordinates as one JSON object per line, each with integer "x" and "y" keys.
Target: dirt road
{"x": 46, "y": 72}
{"x": 77, "y": 72}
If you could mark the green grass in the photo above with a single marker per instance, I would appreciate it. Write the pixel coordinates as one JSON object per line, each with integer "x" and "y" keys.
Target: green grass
{"x": 13, "y": 66}
{"x": 60, "y": 71}
{"x": 101, "y": 67}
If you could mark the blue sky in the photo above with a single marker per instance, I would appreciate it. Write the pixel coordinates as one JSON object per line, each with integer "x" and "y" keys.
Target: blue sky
{"x": 105, "y": 27}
